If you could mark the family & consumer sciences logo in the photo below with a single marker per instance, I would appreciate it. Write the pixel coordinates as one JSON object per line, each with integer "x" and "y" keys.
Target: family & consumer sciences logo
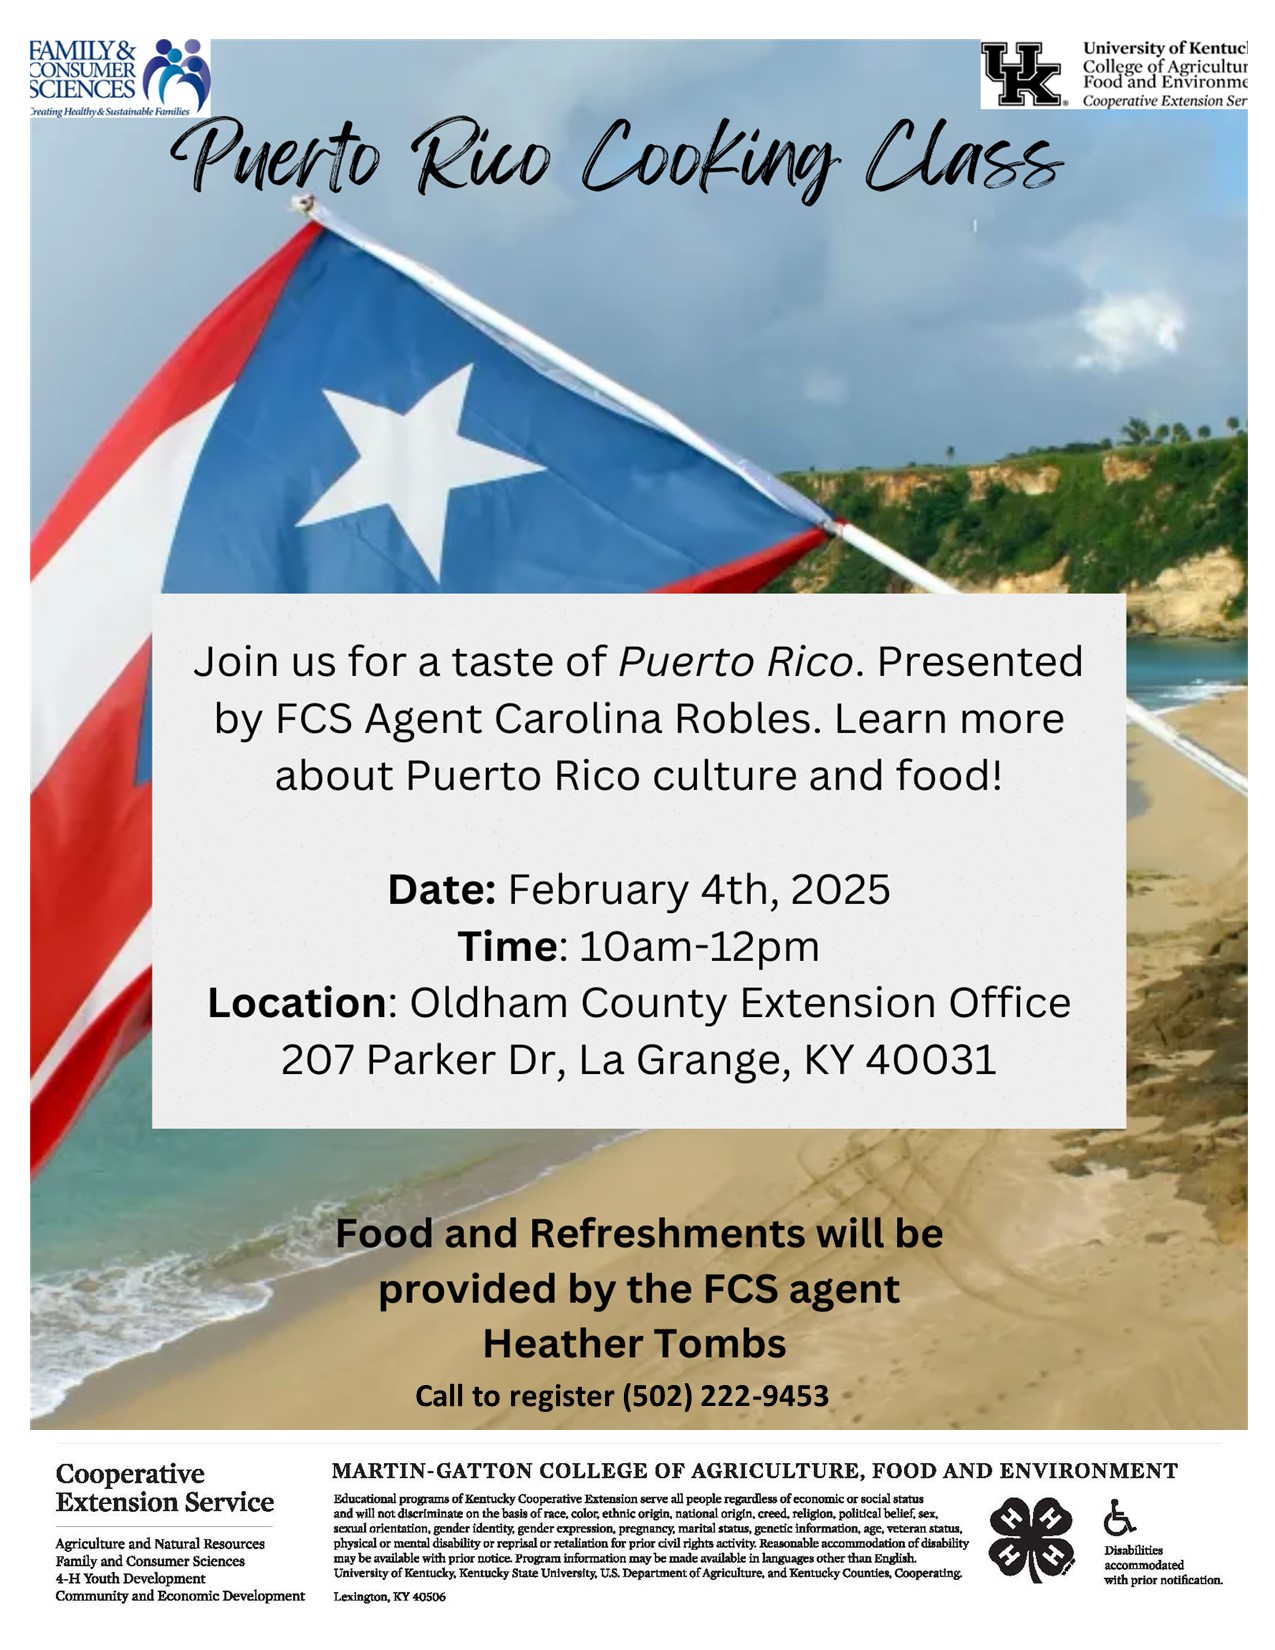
{"x": 75, "y": 70}
{"x": 188, "y": 69}
{"x": 106, "y": 77}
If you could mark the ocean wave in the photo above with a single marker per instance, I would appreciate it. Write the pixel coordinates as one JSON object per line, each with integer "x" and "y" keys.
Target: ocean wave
{"x": 85, "y": 1320}
{"x": 1177, "y": 695}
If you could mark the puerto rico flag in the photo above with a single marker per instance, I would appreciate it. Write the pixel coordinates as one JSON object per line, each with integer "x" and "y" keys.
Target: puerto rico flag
{"x": 345, "y": 421}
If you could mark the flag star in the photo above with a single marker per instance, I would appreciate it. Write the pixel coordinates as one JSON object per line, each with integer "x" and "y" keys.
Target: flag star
{"x": 411, "y": 462}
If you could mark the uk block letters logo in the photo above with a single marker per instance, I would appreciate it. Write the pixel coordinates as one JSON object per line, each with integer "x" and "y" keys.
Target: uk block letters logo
{"x": 1031, "y": 1540}
{"x": 1022, "y": 77}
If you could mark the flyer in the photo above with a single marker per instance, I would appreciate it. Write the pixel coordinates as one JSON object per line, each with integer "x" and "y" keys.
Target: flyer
{"x": 639, "y": 820}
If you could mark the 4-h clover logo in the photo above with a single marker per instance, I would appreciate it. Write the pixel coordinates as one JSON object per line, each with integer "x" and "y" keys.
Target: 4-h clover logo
{"x": 1031, "y": 1538}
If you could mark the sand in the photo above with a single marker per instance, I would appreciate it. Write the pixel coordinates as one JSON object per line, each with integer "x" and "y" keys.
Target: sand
{"x": 1084, "y": 1280}
{"x": 1192, "y": 840}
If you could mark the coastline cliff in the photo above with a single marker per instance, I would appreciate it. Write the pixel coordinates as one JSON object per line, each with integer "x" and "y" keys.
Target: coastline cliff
{"x": 1167, "y": 525}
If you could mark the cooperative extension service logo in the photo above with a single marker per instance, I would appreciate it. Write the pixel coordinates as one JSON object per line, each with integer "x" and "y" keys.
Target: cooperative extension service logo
{"x": 113, "y": 78}
{"x": 1023, "y": 80}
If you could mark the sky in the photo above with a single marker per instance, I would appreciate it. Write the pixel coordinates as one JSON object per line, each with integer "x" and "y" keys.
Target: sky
{"x": 870, "y": 328}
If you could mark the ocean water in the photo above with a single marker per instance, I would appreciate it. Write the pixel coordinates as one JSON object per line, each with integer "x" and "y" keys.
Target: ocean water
{"x": 140, "y": 1236}
{"x": 1165, "y": 675}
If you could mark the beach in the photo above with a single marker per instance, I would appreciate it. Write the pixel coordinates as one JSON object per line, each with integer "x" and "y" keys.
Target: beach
{"x": 1085, "y": 1280}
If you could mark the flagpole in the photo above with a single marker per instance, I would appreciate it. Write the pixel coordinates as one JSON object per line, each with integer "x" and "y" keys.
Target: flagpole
{"x": 1138, "y": 714}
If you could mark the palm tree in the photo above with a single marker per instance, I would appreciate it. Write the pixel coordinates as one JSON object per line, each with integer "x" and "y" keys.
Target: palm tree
{"x": 1232, "y": 423}
{"x": 949, "y": 453}
{"x": 1136, "y": 431}
{"x": 1180, "y": 433}
{"x": 1162, "y": 433}
{"x": 1204, "y": 432}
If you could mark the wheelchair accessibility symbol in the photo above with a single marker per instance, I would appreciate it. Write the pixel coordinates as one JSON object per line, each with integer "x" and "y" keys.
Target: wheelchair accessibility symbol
{"x": 1117, "y": 1523}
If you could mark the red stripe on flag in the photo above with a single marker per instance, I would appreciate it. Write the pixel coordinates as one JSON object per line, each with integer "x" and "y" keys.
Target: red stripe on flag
{"x": 752, "y": 572}
{"x": 207, "y": 363}
{"x": 88, "y": 1065}
{"x": 90, "y": 820}
{"x": 90, "y": 857}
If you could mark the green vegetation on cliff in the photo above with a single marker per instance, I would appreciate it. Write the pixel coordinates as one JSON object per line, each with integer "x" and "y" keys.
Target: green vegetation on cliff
{"x": 1119, "y": 516}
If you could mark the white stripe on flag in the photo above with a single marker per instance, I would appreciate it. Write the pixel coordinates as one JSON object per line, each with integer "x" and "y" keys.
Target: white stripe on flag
{"x": 133, "y": 960}
{"x": 91, "y": 603}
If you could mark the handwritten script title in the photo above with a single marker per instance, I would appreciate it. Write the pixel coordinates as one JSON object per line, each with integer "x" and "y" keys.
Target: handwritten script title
{"x": 459, "y": 152}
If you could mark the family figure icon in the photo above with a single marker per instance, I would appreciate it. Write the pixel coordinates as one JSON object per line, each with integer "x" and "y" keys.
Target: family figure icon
{"x": 186, "y": 68}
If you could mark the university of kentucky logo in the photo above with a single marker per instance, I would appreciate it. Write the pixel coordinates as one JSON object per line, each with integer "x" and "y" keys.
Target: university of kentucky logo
{"x": 1028, "y": 75}
{"x": 181, "y": 67}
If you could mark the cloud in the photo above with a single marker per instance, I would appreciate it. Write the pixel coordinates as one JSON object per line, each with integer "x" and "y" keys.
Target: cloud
{"x": 1130, "y": 329}
{"x": 825, "y": 389}
{"x": 868, "y": 329}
